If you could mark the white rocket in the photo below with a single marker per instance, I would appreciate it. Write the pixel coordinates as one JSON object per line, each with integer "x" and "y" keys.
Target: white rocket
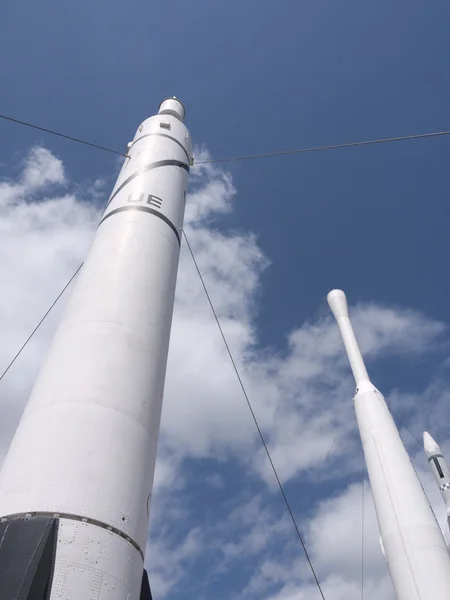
{"x": 413, "y": 543}
{"x": 439, "y": 468}
{"x": 75, "y": 487}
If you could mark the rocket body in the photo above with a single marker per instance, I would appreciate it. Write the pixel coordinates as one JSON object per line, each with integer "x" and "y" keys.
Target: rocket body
{"x": 439, "y": 468}
{"x": 413, "y": 544}
{"x": 79, "y": 471}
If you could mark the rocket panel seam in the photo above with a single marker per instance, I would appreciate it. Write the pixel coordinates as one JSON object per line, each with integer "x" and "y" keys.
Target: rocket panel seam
{"x": 150, "y": 167}
{"x": 91, "y": 321}
{"x": 73, "y": 517}
{"x": 146, "y": 209}
{"x": 399, "y": 531}
{"x": 169, "y": 137}
{"x": 85, "y": 403}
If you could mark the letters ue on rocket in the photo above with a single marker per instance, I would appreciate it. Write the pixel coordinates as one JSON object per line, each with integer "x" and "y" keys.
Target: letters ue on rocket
{"x": 145, "y": 198}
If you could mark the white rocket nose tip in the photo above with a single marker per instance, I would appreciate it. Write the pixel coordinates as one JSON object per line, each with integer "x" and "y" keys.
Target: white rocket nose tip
{"x": 338, "y": 304}
{"x": 172, "y": 106}
{"x": 430, "y": 446}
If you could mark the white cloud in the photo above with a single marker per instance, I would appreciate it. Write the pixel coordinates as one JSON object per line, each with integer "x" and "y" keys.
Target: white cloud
{"x": 389, "y": 330}
{"x": 301, "y": 393}
{"x": 334, "y": 542}
{"x": 214, "y": 191}
{"x": 335, "y": 535}
{"x": 170, "y": 559}
{"x": 41, "y": 169}
{"x": 255, "y": 529}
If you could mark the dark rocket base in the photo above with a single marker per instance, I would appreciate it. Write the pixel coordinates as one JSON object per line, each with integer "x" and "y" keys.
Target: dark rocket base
{"x": 27, "y": 559}
{"x": 145, "y": 587}
{"x": 27, "y": 556}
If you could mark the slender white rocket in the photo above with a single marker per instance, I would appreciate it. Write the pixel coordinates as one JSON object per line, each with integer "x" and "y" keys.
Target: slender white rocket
{"x": 439, "y": 468}
{"x": 75, "y": 487}
{"x": 412, "y": 541}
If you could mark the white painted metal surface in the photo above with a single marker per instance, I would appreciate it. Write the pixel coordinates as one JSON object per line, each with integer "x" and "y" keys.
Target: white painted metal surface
{"x": 440, "y": 469}
{"x": 96, "y": 562}
{"x": 172, "y": 106}
{"x": 413, "y": 544}
{"x": 86, "y": 444}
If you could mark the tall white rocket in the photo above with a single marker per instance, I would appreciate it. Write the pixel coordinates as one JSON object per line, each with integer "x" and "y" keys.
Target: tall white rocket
{"x": 75, "y": 487}
{"x": 412, "y": 541}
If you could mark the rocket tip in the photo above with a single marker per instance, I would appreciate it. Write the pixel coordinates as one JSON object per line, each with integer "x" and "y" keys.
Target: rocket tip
{"x": 338, "y": 303}
{"x": 335, "y": 294}
{"x": 172, "y": 106}
{"x": 430, "y": 446}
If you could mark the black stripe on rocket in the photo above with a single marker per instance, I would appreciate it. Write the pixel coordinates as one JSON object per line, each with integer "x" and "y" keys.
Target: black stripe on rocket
{"x": 150, "y": 167}
{"x": 164, "y": 135}
{"x": 147, "y": 210}
{"x": 148, "y": 198}
{"x": 434, "y": 460}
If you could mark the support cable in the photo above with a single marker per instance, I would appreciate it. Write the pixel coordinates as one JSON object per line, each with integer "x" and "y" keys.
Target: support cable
{"x": 264, "y": 443}
{"x": 330, "y": 147}
{"x": 402, "y": 424}
{"x": 415, "y": 136}
{"x": 67, "y": 137}
{"x": 24, "y": 345}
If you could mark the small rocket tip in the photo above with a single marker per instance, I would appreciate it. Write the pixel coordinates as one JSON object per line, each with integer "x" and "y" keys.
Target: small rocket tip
{"x": 430, "y": 446}
{"x": 338, "y": 304}
{"x": 339, "y": 308}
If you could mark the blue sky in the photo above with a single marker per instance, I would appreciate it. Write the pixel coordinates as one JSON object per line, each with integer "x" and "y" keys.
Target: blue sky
{"x": 259, "y": 76}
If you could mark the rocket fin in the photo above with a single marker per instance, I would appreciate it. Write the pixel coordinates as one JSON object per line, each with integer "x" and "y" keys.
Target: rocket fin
{"x": 27, "y": 550}
{"x": 146, "y": 594}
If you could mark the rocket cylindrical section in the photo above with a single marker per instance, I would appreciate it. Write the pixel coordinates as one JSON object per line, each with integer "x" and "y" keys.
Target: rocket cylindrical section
{"x": 85, "y": 450}
{"x": 413, "y": 544}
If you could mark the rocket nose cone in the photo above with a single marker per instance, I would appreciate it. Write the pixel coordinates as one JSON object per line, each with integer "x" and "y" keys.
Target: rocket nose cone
{"x": 172, "y": 106}
{"x": 338, "y": 304}
{"x": 430, "y": 446}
